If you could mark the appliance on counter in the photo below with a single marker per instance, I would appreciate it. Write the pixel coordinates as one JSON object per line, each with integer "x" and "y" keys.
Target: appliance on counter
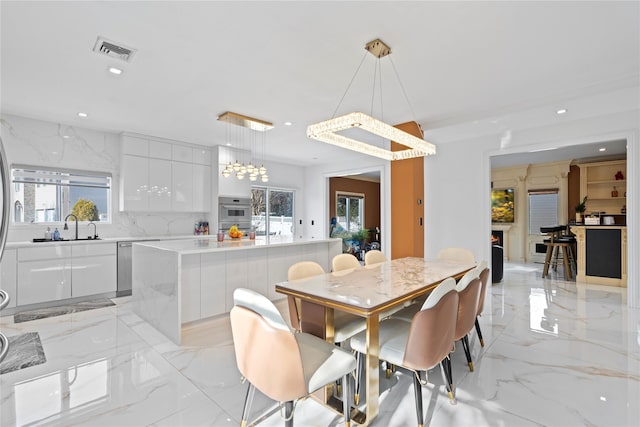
{"x": 234, "y": 210}
{"x": 125, "y": 266}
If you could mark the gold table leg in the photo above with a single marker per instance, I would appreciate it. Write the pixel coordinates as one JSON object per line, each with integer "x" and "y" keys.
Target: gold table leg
{"x": 372, "y": 373}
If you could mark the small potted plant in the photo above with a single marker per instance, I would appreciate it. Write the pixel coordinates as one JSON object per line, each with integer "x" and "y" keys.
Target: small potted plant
{"x": 580, "y": 208}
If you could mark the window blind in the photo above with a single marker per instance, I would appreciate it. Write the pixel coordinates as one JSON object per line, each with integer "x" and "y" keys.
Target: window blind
{"x": 543, "y": 209}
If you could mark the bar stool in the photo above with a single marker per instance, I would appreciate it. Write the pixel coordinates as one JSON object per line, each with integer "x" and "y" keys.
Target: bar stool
{"x": 555, "y": 244}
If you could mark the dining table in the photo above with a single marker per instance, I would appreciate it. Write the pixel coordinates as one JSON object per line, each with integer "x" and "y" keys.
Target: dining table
{"x": 367, "y": 292}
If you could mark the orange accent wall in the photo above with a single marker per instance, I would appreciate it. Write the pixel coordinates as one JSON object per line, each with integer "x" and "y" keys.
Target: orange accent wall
{"x": 371, "y": 191}
{"x": 407, "y": 188}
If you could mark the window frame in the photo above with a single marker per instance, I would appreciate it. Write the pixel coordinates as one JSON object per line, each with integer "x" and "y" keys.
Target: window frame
{"x": 350, "y": 194}
{"x": 541, "y": 192}
{"x": 268, "y": 190}
{"x": 63, "y": 199}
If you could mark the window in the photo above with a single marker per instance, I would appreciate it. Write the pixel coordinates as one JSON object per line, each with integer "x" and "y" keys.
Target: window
{"x": 276, "y": 206}
{"x": 49, "y": 195}
{"x": 543, "y": 209}
{"x": 350, "y": 211}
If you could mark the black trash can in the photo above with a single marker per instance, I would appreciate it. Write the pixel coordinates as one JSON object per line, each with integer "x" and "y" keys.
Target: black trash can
{"x": 497, "y": 263}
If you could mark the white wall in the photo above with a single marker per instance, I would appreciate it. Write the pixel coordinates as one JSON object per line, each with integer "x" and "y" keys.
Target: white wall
{"x": 457, "y": 183}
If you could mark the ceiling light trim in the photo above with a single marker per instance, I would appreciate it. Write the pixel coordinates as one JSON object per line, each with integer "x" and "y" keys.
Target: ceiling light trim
{"x": 326, "y": 131}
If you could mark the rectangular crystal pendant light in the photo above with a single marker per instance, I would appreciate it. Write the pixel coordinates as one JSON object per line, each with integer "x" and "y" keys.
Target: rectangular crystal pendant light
{"x": 327, "y": 132}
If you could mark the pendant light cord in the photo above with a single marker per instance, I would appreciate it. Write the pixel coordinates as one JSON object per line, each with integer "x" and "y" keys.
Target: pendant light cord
{"x": 350, "y": 83}
{"x": 403, "y": 91}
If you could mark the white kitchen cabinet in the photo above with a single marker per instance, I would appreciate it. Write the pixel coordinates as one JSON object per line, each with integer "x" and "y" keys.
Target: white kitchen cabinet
{"x": 202, "y": 156}
{"x": 134, "y": 180}
{"x": 258, "y": 271}
{"x": 201, "y": 188}
{"x": 160, "y": 185}
{"x": 8, "y": 275}
{"x": 190, "y": 277}
{"x": 182, "y": 186}
{"x": 280, "y": 259}
{"x": 135, "y": 146}
{"x": 160, "y": 150}
{"x": 180, "y": 153}
{"x": 44, "y": 274}
{"x": 236, "y": 275}
{"x": 93, "y": 269}
{"x": 212, "y": 284}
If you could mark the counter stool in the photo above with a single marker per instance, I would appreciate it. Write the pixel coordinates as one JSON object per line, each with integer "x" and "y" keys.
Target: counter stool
{"x": 553, "y": 251}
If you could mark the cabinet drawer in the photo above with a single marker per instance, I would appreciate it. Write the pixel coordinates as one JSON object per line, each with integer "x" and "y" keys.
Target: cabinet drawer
{"x": 181, "y": 153}
{"x": 93, "y": 249}
{"x": 47, "y": 251}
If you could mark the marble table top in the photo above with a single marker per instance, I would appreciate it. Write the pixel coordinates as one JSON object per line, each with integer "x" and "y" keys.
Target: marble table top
{"x": 372, "y": 288}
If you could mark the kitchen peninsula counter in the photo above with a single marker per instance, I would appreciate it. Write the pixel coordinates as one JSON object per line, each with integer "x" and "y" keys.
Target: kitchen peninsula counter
{"x": 181, "y": 281}
{"x": 602, "y": 254}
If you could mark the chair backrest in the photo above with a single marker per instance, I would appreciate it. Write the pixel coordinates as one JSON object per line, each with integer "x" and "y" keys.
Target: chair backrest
{"x": 458, "y": 254}
{"x": 374, "y": 256}
{"x": 300, "y": 270}
{"x": 431, "y": 335}
{"x": 262, "y": 342}
{"x": 467, "y": 306}
{"x": 467, "y": 278}
{"x": 342, "y": 262}
{"x": 483, "y": 269}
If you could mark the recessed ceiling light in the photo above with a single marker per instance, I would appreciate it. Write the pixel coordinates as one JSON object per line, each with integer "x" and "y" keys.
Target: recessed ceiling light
{"x": 561, "y": 111}
{"x": 228, "y": 144}
{"x": 603, "y": 149}
{"x": 114, "y": 70}
{"x": 83, "y": 115}
{"x": 288, "y": 123}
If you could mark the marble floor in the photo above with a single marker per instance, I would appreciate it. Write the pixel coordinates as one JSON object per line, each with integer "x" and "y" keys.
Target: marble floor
{"x": 557, "y": 353}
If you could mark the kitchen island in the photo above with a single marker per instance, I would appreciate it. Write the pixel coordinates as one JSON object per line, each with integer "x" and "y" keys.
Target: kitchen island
{"x": 181, "y": 281}
{"x": 602, "y": 254}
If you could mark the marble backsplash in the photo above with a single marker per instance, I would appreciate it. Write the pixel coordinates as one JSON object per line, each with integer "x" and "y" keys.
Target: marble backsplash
{"x": 38, "y": 143}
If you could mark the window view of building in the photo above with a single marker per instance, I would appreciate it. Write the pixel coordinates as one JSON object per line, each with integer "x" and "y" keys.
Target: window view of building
{"x": 42, "y": 196}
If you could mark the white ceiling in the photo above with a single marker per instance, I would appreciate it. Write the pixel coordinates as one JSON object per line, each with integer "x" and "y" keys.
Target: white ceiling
{"x": 462, "y": 64}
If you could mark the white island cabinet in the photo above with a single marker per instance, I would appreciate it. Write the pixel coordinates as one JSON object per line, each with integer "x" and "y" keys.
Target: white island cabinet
{"x": 180, "y": 281}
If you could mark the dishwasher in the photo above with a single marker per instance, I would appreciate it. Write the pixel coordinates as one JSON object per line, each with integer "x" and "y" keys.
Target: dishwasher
{"x": 125, "y": 266}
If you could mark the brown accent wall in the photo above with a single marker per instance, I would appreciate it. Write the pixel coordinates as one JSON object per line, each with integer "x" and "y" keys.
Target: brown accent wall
{"x": 407, "y": 195}
{"x": 371, "y": 191}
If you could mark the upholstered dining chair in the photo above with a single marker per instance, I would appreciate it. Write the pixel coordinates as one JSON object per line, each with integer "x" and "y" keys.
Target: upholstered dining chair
{"x": 300, "y": 270}
{"x": 343, "y": 262}
{"x": 483, "y": 269}
{"x": 422, "y": 344}
{"x": 262, "y": 340}
{"x": 374, "y": 256}
{"x": 468, "y": 288}
{"x": 459, "y": 254}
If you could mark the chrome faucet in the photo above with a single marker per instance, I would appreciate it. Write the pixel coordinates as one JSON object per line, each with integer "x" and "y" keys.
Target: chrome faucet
{"x": 66, "y": 227}
{"x": 95, "y": 230}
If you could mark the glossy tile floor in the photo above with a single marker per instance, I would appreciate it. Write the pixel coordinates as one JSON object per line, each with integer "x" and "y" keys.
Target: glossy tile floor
{"x": 557, "y": 354}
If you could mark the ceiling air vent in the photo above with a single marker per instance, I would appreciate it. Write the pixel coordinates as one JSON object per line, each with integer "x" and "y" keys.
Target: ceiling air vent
{"x": 113, "y": 50}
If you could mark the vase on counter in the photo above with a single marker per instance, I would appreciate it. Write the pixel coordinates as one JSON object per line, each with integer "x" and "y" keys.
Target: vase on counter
{"x": 578, "y": 217}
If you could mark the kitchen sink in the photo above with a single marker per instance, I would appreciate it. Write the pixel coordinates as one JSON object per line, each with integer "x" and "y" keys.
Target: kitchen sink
{"x": 85, "y": 239}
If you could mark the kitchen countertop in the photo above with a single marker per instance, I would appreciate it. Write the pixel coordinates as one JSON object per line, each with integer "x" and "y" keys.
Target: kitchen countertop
{"x": 191, "y": 246}
{"x": 101, "y": 240}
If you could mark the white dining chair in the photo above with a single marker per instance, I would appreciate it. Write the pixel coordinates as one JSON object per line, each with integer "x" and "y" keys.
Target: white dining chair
{"x": 457, "y": 254}
{"x": 343, "y": 262}
{"x": 374, "y": 256}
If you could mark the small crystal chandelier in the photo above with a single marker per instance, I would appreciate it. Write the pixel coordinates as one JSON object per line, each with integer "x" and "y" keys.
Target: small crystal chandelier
{"x": 246, "y": 136}
{"x": 327, "y": 131}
